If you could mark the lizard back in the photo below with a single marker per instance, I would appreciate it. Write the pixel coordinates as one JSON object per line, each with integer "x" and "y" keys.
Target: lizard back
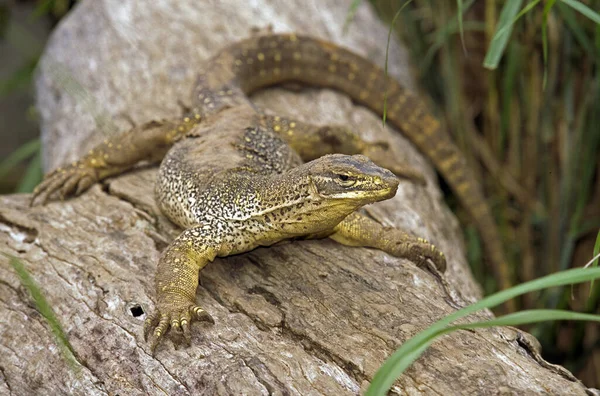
{"x": 262, "y": 61}
{"x": 230, "y": 149}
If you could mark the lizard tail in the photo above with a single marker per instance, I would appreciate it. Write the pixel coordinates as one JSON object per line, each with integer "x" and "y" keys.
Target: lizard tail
{"x": 262, "y": 61}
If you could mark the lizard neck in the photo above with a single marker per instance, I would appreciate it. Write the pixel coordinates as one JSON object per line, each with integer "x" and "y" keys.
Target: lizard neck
{"x": 292, "y": 205}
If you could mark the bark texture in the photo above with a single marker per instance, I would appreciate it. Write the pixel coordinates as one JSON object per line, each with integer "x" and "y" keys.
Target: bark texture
{"x": 302, "y": 318}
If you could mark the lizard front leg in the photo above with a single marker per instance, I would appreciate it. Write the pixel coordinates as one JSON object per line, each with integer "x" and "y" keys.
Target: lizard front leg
{"x": 359, "y": 230}
{"x": 313, "y": 141}
{"x": 115, "y": 155}
{"x": 176, "y": 282}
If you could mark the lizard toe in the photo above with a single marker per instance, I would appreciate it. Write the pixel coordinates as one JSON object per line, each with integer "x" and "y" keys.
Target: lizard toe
{"x": 176, "y": 320}
{"x": 150, "y": 323}
{"x": 439, "y": 259}
{"x": 84, "y": 183}
{"x": 201, "y": 315}
{"x": 47, "y": 187}
{"x": 181, "y": 325}
{"x": 424, "y": 250}
{"x": 187, "y": 334}
{"x": 159, "y": 331}
{"x": 69, "y": 186}
{"x": 72, "y": 180}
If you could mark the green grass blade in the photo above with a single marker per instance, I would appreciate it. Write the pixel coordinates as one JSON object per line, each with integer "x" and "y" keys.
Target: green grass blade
{"x": 20, "y": 154}
{"x": 568, "y": 15}
{"x": 43, "y": 8}
{"x": 514, "y": 319}
{"x": 33, "y": 176}
{"x": 350, "y": 15}
{"x": 597, "y": 41}
{"x": 4, "y": 19}
{"x": 582, "y": 8}
{"x": 594, "y": 262}
{"x": 459, "y": 17}
{"x": 67, "y": 81}
{"x": 388, "y": 372}
{"x": 528, "y": 317}
{"x": 547, "y": 9}
{"x": 45, "y": 310}
{"x": 443, "y": 35}
{"x": 387, "y": 50}
{"x": 20, "y": 78}
{"x": 503, "y": 30}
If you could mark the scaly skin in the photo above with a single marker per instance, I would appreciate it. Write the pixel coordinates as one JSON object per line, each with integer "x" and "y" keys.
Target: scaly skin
{"x": 235, "y": 179}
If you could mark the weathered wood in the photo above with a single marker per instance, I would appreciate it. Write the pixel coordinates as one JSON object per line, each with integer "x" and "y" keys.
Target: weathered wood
{"x": 309, "y": 317}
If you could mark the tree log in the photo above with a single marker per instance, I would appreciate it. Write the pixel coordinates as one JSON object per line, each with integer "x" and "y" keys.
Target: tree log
{"x": 301, "y": 318}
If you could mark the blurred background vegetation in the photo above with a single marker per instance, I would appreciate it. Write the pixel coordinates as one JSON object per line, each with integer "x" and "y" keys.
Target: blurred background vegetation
{"x": 24, "y": 29}
{"x": 530, "y": 128}
{"x": 529, "y": 124}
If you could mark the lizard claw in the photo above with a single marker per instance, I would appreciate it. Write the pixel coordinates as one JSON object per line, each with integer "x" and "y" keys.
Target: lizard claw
{"x": 64, "y": 182}
{"x": 419, "y": 251}
{"x": 176, "y": 318}
{"x": 150, "y": 323}
{"x": 424, "y": 250}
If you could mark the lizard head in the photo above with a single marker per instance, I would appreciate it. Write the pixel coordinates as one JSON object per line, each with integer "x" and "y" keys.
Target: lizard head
{"x": 321, "y": 193}
{"x": 353, "y": 180}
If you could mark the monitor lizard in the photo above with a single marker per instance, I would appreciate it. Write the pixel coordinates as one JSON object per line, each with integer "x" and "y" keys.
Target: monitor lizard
{"x": 235, "y": 178}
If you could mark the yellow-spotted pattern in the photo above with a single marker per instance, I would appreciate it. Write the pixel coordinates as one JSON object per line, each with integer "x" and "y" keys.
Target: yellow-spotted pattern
{"x": 235, "y": 178}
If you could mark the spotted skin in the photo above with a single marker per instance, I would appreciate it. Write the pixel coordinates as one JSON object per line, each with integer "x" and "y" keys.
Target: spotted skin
{"x": 273, "y": 59}
{"x": 236, "y": 179}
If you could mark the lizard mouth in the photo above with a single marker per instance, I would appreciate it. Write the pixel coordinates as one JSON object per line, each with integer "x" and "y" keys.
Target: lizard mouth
{"x": 388, "y": 183}
{"x": 379, "y": 188}
{"x": 390, "y": 186}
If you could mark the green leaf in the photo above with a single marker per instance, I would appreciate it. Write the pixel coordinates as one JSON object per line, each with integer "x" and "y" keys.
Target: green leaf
{"x": 33, "y": 175}
{"x": 572, "y": 23}
{"x": 594, "y": 262}
{"x": 350, "y": 14}
{"x": 67, "y": 81}
{"x": 20, "y": 78}
{"x": 547, "y": 9}
{"x": 20, "y": 154}
{"x": 528, "y": 317}
{"x": 387, "y": 50}
{"x": 503, "y": 30}
{"x": 582, "y": 8}
{"x": 443, "y": 35}
{"x": 514, "y": 319}
{"x": 5, "y": 13}
{"x": 45, "y": 310}
{"x": 459, "y": 17}
{"x": 392, "y": 368}
{"x": 43, "y": 8}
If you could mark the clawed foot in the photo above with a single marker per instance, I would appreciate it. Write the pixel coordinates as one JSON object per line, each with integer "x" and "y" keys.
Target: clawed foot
{"x": 380, "y": 153}
{"x": 64, "y": 182}
{"x": 419, "y": 250}
{"x": 174, "y": 316}
{"x": 434, "y": 261}
{"x": 426, "y": 250}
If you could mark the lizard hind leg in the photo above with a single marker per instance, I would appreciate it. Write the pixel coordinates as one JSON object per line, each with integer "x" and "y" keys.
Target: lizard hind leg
{"x": 312, "y": 141}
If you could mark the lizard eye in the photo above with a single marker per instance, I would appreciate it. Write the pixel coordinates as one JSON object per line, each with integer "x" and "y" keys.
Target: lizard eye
{"x": 345, "y": 180}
